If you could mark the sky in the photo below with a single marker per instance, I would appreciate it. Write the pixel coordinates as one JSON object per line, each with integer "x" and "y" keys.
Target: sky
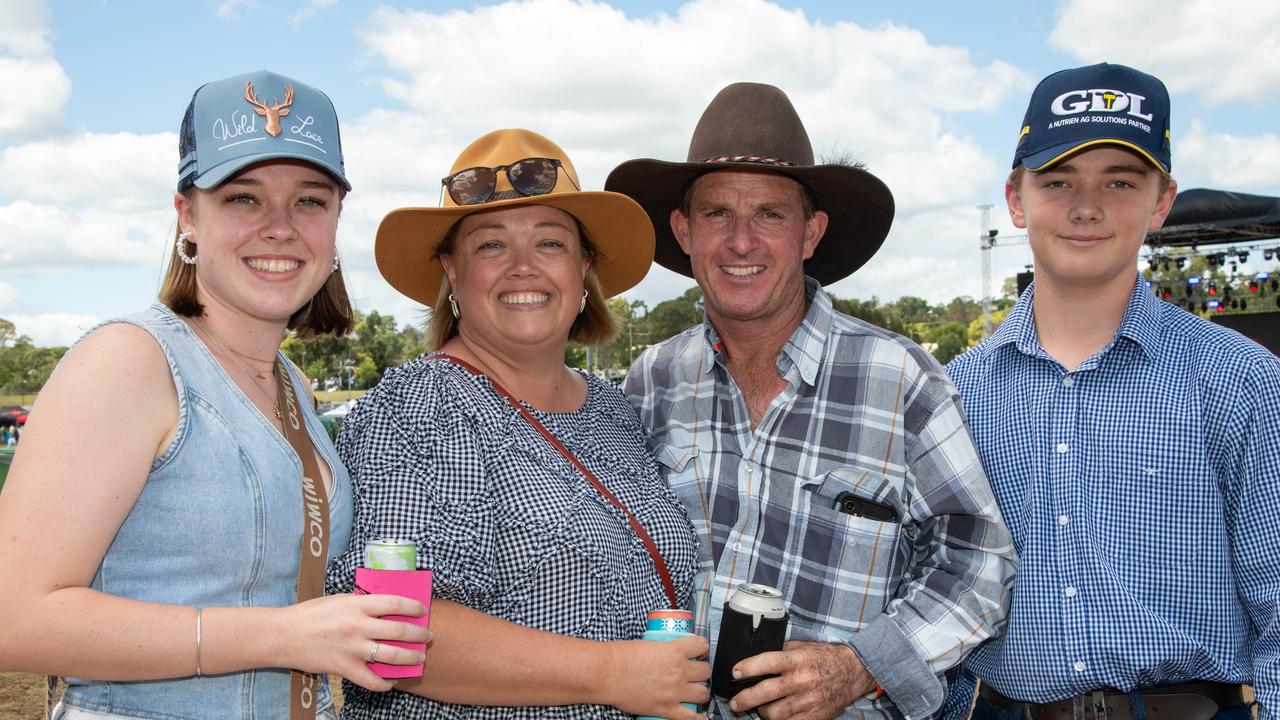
{"x": 929, "y": 94}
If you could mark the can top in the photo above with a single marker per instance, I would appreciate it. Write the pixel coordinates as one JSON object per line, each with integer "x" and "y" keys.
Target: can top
{"x": 757, "y": 599}
{"x": 390, "y": 542}
{"x": 669, "y": 621}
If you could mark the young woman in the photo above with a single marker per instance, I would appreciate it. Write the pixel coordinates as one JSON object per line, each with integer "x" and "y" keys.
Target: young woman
{"x": 165, "y": 569}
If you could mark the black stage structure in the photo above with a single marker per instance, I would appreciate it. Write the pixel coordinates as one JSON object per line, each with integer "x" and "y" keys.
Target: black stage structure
{"x": 1232, "y": 223}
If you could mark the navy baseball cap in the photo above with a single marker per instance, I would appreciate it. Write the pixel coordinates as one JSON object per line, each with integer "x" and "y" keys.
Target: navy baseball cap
{"x": 1100, "y": 104}
{"x": 233, "y": 123}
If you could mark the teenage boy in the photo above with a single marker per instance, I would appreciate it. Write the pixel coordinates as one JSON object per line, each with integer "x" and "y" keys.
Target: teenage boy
{"x": 1134, "y": 448}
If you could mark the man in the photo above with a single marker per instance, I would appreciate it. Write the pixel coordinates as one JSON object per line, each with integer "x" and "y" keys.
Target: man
{"x": 816, "y": 453}
{"x": 1134, "y": 448}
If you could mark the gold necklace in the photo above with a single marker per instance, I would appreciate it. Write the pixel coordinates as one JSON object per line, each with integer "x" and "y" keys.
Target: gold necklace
{"x": 235, "y": 357}
{"x": 257, "y": 373}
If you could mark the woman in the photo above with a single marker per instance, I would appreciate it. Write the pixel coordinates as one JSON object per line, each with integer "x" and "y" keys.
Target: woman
{"x": 540, "y": 583}
{"x": 158, "y": 567}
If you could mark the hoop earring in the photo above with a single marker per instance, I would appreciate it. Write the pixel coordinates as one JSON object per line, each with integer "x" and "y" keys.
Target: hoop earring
{"x": 180, "y": 245}
{"x": 583, "y": 305}
{"x": 454, "y": 305}
{"x": 335, "y": 261}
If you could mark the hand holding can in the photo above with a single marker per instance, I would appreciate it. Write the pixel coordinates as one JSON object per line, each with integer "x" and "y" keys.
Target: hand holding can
{"x": 754, "y": 622}
{"x": 390, "y": 569}
{"x": 665, "y": 626}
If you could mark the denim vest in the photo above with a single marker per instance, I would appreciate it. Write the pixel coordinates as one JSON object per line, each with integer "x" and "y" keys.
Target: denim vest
{"x": 218, "y": 524}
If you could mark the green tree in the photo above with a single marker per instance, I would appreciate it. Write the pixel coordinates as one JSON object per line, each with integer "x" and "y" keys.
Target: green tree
{"x": 911, "y": 310}
{"x": 960, "y": 310}
{"x": 672, "y": 317}
{"x": 871, "y": 311}
{"x": 377, "y": 345}
{"x": 949, "y": 339}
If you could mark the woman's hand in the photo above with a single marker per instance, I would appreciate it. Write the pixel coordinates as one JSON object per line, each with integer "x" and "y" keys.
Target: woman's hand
{"x": 335, "y": 634}
{"x": 647, "y": 677}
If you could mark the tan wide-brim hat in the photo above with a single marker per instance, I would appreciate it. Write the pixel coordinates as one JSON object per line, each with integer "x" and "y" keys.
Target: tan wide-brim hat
{"x": 616, "y": 225}
{"x": 752, "y": 126}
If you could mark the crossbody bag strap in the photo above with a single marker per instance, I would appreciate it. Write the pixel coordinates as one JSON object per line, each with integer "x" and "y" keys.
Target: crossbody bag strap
{"x": 314, "y": 549}
{"x": 658, "y": 563}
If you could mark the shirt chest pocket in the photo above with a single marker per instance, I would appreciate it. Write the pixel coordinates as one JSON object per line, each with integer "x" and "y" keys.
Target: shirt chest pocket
{"x": 1154, "y": 508}
{"x": 853, "y": 549}
{"x": 680, "y": 467}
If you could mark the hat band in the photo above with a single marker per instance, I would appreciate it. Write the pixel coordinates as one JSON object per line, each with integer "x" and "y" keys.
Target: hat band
{"x": 749, "y": 159}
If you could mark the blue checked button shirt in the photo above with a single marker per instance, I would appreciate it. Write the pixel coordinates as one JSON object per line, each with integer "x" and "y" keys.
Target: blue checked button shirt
{"x": 867, "y": 412}
{"x": 1143, "y": 493}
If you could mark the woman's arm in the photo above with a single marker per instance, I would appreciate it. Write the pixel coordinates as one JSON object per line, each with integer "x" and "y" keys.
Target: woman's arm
{"x": 107, "y": 412}
{"x": 478, "y": 659}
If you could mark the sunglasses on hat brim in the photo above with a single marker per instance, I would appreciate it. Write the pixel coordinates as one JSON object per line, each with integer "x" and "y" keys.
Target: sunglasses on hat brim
{"x": 528, "y": 177}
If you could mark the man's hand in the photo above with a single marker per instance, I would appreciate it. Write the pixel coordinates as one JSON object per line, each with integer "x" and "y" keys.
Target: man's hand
{"x": 815, "y": 681}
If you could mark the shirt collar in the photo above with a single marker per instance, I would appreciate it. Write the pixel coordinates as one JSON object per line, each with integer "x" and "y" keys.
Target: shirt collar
{"x": 806, "y": 346}
{"x": 1141, "y": 323}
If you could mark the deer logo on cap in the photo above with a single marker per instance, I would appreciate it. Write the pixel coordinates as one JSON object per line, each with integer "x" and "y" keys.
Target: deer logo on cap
{"x": 272, "y": 113}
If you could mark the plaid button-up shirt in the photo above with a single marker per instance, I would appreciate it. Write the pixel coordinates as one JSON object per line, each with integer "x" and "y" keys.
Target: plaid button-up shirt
{"x": 865, "y": 412}
{"x": 1143, "y": 492}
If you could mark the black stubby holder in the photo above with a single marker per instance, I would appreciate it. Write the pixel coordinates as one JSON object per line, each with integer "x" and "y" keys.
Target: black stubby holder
{"x": 738, "y": 641}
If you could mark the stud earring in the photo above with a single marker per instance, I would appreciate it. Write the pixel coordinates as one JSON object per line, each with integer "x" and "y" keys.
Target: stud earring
{"x": 454, "y": 305}
{"x": 583, "y": 305}
{"x": 183, "y": 239}
{"x": 335, "y": 261}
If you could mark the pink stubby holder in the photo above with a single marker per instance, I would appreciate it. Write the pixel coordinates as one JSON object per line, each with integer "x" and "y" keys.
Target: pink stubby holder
{"x": 414, "y": 584}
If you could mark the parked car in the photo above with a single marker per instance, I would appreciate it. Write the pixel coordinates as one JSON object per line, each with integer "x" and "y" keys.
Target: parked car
{"x": 11, "y": 415}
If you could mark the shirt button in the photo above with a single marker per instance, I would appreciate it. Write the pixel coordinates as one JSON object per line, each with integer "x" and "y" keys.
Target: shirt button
{"x": 1063, "y": 519}
{"x": 737, "y": 547}
{"x": 750, "y": 468}
{"x": 1070, "y": 591}
{"x": 1079, "y": 666}
{"x": 1068, "y": 381}
{"x": 1062, "y": 448}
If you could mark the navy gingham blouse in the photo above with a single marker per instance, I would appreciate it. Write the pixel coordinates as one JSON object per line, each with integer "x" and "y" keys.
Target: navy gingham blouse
{"x": 507, "y": 525}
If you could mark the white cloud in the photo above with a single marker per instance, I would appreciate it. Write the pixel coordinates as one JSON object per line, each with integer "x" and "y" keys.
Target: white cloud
{"x": 33, "y": 85}
{"x": 25, "y": 31}
{"x": 229, "y": 10}
{"x": 52, "y": 329}
{"x": 635, "y": 87}
{"x": 117, "y": 171}
{"x": 42, "y": 238}
{"x": 308, "y": 11}
{"x": 8, "y": 294}
{"x": 879, "y": 94}
{"x": 1225, "y": 50}
{"x": 1228, "y": 161}
{"x": 88, "y": 199}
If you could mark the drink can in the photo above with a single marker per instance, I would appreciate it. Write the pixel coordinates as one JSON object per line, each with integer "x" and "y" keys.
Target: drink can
{"x": 664, "y": 626}
{"x": 754, "y": 621}
{"x": 390, "y": 555}
{"x": 759, "y": 601}
{"x": 679, "y": 621}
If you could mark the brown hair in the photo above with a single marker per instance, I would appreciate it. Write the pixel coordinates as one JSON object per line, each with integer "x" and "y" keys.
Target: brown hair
{"x": 328, "y": 311}
{"x": 595, "y": 325}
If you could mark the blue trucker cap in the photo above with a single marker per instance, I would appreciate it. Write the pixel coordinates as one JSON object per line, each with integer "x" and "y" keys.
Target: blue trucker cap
{"x": 1095, "y": 105}
{"x": 233, "y": 123}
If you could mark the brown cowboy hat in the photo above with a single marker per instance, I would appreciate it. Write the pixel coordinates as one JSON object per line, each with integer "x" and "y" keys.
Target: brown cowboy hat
{"x": 751, "y": 126}
{"x": 407, "y": 238}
